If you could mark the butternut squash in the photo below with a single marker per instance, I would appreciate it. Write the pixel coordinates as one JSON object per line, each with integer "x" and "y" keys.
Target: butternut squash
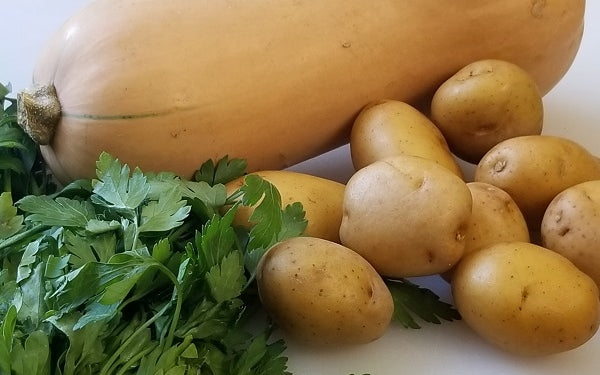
{"x": 164, "y": 85}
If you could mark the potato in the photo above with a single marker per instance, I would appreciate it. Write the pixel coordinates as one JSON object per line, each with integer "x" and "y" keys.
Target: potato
{"x": 495, "y": 218}
{"x": 321, "y": 199}
{"x": 406, "y": 215}
{"x": 571, "y": 226}
{"x": 485, "y": 103}
{"x": 534, "y": 169}
{"x": 322, "y": 293}
{"x": 526, "y": 299}
{"x": 388, "y": 127}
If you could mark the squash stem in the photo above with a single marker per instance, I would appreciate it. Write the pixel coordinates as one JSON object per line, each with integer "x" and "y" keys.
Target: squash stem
{"x": 38, "y": 112}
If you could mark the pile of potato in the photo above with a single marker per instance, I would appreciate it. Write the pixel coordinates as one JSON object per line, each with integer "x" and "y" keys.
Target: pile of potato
{"x": 519, "y": 244}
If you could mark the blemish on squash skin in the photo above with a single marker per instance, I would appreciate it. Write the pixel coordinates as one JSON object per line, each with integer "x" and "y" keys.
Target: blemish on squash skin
{"x": 128, "y": 116}
{"x": 537, "y": 8}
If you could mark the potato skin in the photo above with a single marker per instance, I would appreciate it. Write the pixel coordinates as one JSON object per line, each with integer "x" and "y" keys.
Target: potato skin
{"x": 322, "y": 293}
{"x": 389, "y": 127}
{"x": 526, "y": 299}
{"x": 571, "y": 227}
{"x": 406, "y": 215}
{"x": 321, "y": 199}
{"x": 534, "y": 169}
{"x": 485, "y": 103}
{"x": 495, "y": 218}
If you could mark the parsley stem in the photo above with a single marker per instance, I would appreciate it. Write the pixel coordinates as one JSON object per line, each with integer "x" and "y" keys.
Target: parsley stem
{"x": 137, "y": 232}
{"x": 134, "y": 359}
{"x": 34, "y": 187}
{"x": 107, "y": 368}
{"x": 234, "y": 198}
{"x": 181, "y": 232}
{"x": 7, "y": 180}
{"x": 17, "y": 238}
{"x": 173, "y": 326}
{"x": 187, "y": 341}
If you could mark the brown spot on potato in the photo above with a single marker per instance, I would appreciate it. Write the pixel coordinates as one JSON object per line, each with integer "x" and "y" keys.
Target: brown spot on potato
{"x": 564, "y": 231}
{"x": 537, "y": 8}
{"x": 419, "y": 183}
{"x": 524, "y": 295}
{"x": 500, "y": 165}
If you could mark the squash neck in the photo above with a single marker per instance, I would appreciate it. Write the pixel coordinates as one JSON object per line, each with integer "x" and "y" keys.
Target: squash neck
{"x": 38, "y": 112}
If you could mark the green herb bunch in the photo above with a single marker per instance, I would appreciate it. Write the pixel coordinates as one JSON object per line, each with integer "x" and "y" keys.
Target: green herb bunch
{"x": 135, "y": 273}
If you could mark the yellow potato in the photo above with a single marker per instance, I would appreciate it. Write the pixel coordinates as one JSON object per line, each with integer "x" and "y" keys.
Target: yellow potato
{"x": 388, "y": 127}
{"x": 321, "y": 199}
{"x": 571, "y": 226}
{"x": 485, "y": 103}
{"x": 526, "y": 299}
{"x": 323, "y": 293}
{"x": 534, "y": 169}
{"x": 495, "y": 218}
{"x": 406, "y": 215}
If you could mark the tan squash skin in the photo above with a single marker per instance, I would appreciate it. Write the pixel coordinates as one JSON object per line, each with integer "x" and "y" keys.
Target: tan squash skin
{"x": 164, "y": 85}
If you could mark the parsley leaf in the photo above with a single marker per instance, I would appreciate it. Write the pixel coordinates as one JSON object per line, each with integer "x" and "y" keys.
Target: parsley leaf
{"x": 10, "y": 222}
{"x": 293, "y": 222}
{"x": 57, "y": 212}
{"x": 263, "y": 356}
{"x": 216, "y": 239}
{"x": 115, "y": 188}
{"x": 95, "y": 248}
{"x": 266, "y": 226}
{"x": 85, "y": 344}
{"x": 224, "y": 171}
{"x": 32, "y": 356}
{"x": 166, "y": 213}
{"x": 271, "y": 223}
{"x": 226, "y": 280}
{"x": 409, "y": 299}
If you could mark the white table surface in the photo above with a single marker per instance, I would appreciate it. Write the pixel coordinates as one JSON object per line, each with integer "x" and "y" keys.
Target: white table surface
{"x": 572, "y": 109}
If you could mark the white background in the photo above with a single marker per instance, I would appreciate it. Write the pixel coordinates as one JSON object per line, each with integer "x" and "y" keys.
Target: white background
{"x": 572, "y": 109}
